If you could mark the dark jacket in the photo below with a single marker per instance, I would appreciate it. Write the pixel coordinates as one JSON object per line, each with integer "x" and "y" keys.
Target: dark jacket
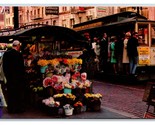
{"x": 13, "y": 67}
{"x": 132, "y": 47}
{"x": 104, "y": 48}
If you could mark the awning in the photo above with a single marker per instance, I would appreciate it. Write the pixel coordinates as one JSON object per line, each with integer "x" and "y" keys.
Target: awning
{"x": 58, "y": 33}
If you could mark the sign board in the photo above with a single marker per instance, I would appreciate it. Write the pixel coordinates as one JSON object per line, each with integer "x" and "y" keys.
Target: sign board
{"x": 52, "y": 10}
{"x": 74, "y": 54}
{"x": 92, "y": 25}
{"x": 152, "y": 56}
{"x": 144, "y": 55}
{"x": 102, "y": 11}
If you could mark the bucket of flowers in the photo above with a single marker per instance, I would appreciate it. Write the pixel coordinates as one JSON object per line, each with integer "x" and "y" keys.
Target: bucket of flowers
{"x": 93, "y": 101}
{"x": 61, "y": 98}
{"x": 51, "y": 106}
{"x": 77, "y": 107}
{"x": 70, "y": 98}
{"x": 44, "y": 64}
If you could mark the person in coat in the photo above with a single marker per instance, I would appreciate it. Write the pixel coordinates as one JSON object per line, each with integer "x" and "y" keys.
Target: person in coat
{"x": 133, "y": 52}
{"x": 14, "y": 71}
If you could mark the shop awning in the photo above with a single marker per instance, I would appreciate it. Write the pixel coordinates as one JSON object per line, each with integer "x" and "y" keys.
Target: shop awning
{"x": 58, "y": 33}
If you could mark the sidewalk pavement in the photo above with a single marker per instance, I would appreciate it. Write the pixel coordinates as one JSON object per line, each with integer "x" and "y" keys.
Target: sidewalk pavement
{"x": 105, "y": 113}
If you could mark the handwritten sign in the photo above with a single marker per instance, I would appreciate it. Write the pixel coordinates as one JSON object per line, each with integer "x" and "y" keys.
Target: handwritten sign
{"x": 74, "y": 54}
{"x": 144, "y": 55}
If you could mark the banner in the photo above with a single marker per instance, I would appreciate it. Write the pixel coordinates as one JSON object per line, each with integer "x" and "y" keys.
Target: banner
{"x": 53, "y": 10}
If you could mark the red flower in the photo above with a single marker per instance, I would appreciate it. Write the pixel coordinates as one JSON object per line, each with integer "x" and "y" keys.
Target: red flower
{"x": 77, "y": 74}
{"x": 54, "y": 78}
{"x": 65, "y": 61}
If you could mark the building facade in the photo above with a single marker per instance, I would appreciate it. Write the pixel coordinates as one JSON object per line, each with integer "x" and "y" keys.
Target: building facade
{"x": 65, "y": 16}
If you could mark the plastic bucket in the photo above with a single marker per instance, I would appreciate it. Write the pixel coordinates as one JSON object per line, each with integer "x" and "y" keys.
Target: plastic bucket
{"x": 67, "y": 90}
{"x": 43, "y": 69}
{"x": 69, "y": 111}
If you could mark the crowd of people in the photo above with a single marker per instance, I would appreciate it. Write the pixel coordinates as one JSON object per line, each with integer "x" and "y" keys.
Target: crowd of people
{"x": 117, "y": 54}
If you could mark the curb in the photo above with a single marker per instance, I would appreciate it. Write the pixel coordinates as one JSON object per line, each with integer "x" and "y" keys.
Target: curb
{"x": 121, "y": 112}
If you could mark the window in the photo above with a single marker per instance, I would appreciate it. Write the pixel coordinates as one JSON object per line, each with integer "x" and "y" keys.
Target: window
{"x": 80, "y": 19}
{"x": 72, "y": 22}
{"x": 64, "y": 9}
{"x": 42, "y": 11}
{"x": 54, "y": 23}
{"x": 143, "y": 34}
{"x": 38, "y": 11}
{"x": 153, "y": 35}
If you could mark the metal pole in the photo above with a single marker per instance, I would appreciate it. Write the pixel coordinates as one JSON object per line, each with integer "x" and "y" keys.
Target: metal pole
{"x": 16, "y": 17}
{"x": 138, "y": 10}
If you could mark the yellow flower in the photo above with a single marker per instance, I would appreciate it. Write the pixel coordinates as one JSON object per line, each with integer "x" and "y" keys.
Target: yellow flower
{"x": 42, "y": 62}
{"x": 97, "y": 95}
{"x": 80, "y": 61}
{"x": 54, "y": 62}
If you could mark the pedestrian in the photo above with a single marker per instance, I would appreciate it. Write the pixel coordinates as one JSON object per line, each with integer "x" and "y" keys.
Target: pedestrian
{"x": 14, "y": 71}
{"x": 133, "y": 52}
{"x": 125, "y": 59}
{"x": 103, "y": 53}
{"x": 113, "y": 56}
{"x": 119, "y": 52}
{"x": 97, "y": 52}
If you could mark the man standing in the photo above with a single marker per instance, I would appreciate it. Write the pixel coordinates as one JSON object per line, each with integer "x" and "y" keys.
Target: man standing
{"x": 103, "y": 52}
{"x": 133, "y": 52}
{"x": 14, "y": 71}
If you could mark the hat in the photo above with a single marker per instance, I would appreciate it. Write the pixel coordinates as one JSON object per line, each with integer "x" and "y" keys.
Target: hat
{"x": 15, "y": 42}
{"x": 128, "y": 34}
{"x": 113, "y": 37}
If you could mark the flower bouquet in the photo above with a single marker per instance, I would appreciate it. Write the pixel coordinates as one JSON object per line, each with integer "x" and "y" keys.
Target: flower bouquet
{"x": 93, "y": 101}
{"x": 51, "y": 106}
{"x": 44, "y": 64}
{"x": 61, "y": 98}
{"x": 70, "y": 98}
{"x": 77, "y": 107}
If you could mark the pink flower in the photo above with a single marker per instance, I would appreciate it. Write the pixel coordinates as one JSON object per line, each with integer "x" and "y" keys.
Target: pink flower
{"x": 54, "y": 78}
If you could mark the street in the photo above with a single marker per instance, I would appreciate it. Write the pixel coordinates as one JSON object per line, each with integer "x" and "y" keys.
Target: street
{"x": 120, "y": 101}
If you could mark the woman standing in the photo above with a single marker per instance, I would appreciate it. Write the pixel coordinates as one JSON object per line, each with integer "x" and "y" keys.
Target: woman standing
{"x": 113, "y": 56}
{"x": 125, "y": 59}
